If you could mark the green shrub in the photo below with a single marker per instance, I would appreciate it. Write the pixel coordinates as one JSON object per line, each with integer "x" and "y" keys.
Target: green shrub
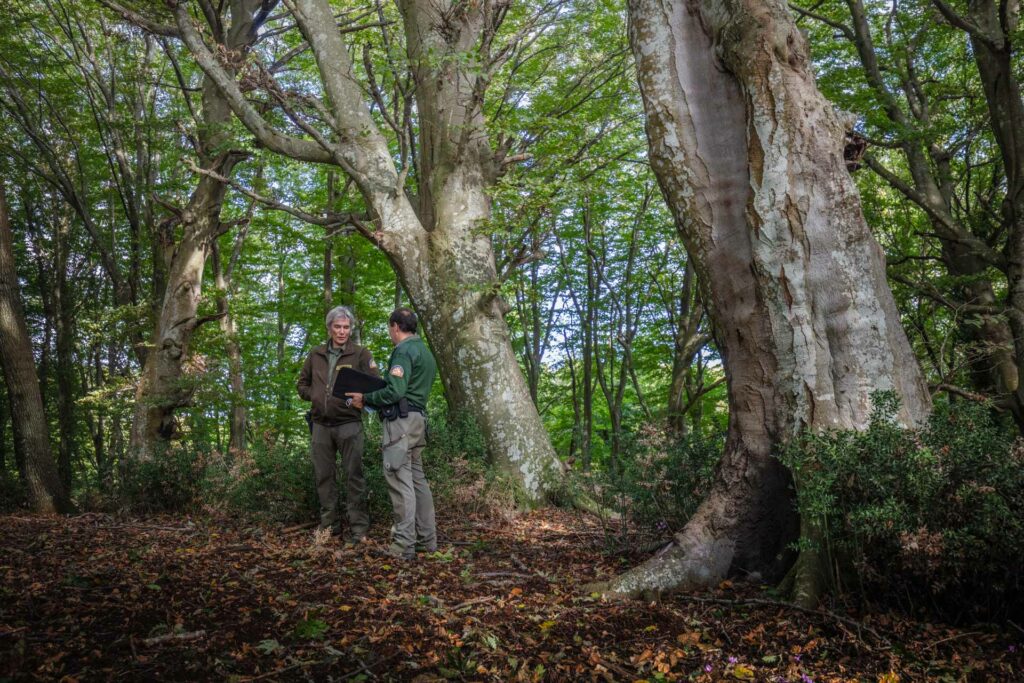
{"x": 457, "y": 466}
{"x": 12, "y": 493}
{"x": 661, "y": 479}
{"x": 934, "y": 514}
{"x": 274, "y": 481}
{"x": 169, "y": 481}
{"x": 269, "y": 482}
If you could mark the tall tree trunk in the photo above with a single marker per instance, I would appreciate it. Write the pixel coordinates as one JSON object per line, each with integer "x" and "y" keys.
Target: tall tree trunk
{"x": 45, "y": 491}
{"x": 5, "y": 418}
{"x": 329, "y": 241}
{"x": 164, "y": 386}
{"x": 444, "y": 261}
{"x": 238, "y": 414}
{"x": 991, "y": 27}
{"x": 64, "y": 320}
{"x": 994, "y": 360}
{"x": 589, "y": 342}
{"x": 749, "y": 157}
{"x": 687, "y": 341}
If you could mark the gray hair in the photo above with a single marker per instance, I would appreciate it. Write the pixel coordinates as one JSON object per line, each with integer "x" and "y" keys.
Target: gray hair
{"x": 340, "y": 312}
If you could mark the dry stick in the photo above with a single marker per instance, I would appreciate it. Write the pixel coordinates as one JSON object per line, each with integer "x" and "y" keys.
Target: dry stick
{"x": 955, "y": 637}
{"x": 148, "y": 527}
{"x": 474, "y": 601}
{"x": 297, "y": 527}
{"x": 522, "y": 565}
{"x": 167, "y": 637}
{"x": 1015, "y": 626}
{"x": 363, "y": 668}
{"x": 515, "y": 575}
{"x": 611, "y": 666}
{"x": 278, "y": 672}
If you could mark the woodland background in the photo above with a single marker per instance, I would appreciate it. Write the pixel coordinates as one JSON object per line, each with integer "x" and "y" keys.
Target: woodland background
{"x": 124, "y": 176}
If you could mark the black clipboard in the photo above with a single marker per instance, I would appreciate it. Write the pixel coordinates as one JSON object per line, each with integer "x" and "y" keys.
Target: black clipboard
{"x": 355, "y": 382}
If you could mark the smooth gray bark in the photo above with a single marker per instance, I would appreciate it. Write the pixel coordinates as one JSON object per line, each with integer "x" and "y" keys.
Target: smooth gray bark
{"x": 443, "y": 259}
{"x": 749, "y": 157}
{"x": 165, "y": 385}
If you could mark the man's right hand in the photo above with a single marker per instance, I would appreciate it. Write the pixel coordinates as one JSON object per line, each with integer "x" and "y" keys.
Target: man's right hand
{"x": 357, "y": 400}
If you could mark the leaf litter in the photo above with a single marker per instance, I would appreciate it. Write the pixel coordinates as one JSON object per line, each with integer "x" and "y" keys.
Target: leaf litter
{"x": 97, "y": 597}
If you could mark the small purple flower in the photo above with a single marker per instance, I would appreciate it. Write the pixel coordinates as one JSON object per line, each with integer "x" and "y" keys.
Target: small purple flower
{"x": 796, "y": 658}
{"x": 733, "y": 660}
{"x": 804, "y": 678}
{"x": 1012, "y": 648}
{"x": 707, "y": 667}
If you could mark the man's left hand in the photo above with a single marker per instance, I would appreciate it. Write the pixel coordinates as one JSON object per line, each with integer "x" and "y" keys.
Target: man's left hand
{"x": 357, "y": 399}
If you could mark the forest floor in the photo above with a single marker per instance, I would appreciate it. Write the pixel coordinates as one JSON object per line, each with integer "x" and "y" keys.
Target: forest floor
{"x": 98, "y": 597}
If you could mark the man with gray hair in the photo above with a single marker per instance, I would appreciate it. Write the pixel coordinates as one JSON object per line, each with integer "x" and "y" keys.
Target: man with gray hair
{"x": 337, "y": 426}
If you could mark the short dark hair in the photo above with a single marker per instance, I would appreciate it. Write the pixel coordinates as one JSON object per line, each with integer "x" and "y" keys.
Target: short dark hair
{"x": 405, "y": 319}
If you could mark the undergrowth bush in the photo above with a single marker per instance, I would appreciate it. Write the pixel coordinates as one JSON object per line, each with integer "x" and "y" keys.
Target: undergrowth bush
{"x": 12, "y": 493}
{"x": 169, "y": 481}
{"x": 933, "y": 516}
{"x": 269, "y": 482}
{"x": 661, "y": 479}
{"x": 274, "y": 481}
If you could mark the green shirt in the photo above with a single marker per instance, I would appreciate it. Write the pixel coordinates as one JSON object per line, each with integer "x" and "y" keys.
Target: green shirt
{"x": 411, "y": 371}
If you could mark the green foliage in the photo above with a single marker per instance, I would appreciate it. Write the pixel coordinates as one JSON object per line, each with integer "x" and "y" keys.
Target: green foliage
{"x": 169, "y": 481}
{"x": 660, "y": 482}
{"x": 932, "y": 513}
{"x": 458, "y": 468}
{"x": 12, "y": 493}
{"x": 272, "y": 482}
{"x": 268, "y": 482}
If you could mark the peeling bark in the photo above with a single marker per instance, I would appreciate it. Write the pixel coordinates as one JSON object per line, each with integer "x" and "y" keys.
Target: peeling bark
{"x": 749, "y": 156}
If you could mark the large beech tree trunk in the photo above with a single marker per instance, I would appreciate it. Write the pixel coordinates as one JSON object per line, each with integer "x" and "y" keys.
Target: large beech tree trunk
{"x": 443, "y": 258}
{"x": 165, "y": 386}
{"x": 46, "y": 493}
{"x": 749, "y": 157}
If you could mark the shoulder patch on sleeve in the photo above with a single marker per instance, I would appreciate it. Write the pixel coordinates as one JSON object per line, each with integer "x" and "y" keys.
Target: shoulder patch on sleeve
{"x": 397, "y": 371}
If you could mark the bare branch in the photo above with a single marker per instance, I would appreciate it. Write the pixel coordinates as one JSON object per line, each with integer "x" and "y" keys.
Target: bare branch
{"x": 963, "y": 23}
{"x": 837, "y": 25}
{"x": 330, "y": 220}
{"x": 951, "y": 231}
{"x": 133, "y": 17}
{"x": 287, "y": 145}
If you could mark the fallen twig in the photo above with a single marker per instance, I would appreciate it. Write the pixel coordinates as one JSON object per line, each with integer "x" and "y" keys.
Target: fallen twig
{"x": 297, "y": 527}
{"x": 515, "y": 575}
{"x": 1011, "y": 623}
{"x": 167, "y": 637}
{"x": 474, "y": 601}
{"x": 148, "y": 527}
{"x": 953, "y": 637}
{"x": 622, "y": 671}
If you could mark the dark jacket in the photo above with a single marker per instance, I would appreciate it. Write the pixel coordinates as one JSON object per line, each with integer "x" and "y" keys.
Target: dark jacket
{"x": 315, "y": 382}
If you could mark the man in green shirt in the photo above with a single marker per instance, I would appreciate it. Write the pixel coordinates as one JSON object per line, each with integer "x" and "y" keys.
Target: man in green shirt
{"x": 336, "y": 426}
{"x": 402, "y": 404}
